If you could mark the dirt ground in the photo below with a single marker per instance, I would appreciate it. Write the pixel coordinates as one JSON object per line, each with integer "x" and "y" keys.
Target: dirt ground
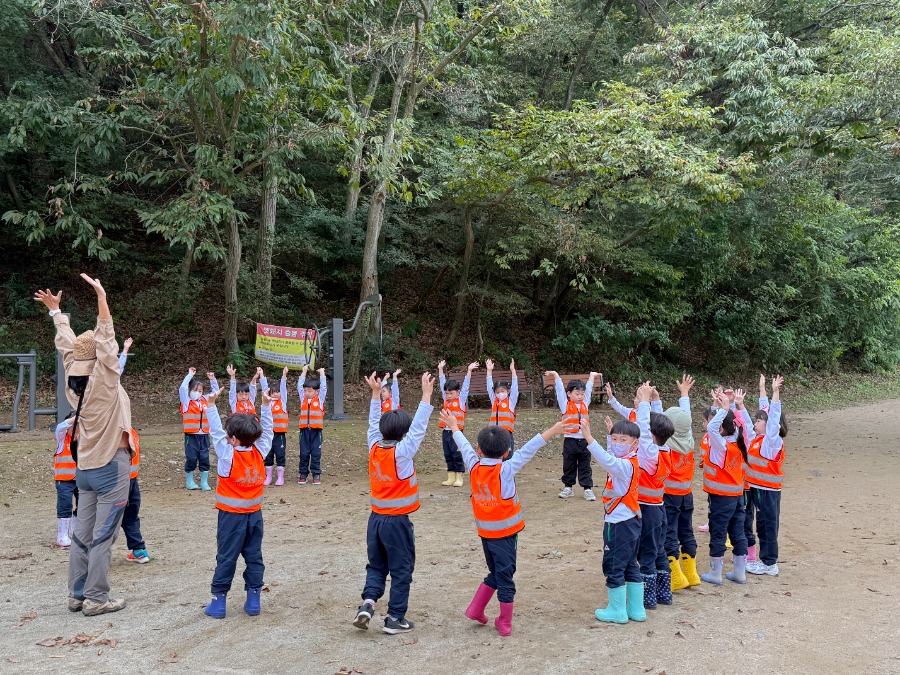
{"x": 833, "y": 609}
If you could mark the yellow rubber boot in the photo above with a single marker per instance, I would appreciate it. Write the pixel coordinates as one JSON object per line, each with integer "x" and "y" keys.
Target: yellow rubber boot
{"x": 459, "y": 480}
{"x": 451, "y": 479}
{"x": 728, "y": 543}
{"x": 679, "y": 581}
{"x": 689, "y": 565}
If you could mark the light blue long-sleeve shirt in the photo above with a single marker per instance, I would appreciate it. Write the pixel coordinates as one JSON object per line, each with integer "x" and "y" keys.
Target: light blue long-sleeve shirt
{"x": 513, "y": 390}
{"x": 123, "y": 359}
{"x": 225, "y": 450}
{"x": 620, "y": 471}
{"x": 718, "y": 444}
{"x": 509, "y": 469}
{"x": 648, "y": 451}
{"x": 408, "y": 446}
{"x": 282, "y": 389}
{"x": 395, "y": 394}
{"x": 563, "y": 400}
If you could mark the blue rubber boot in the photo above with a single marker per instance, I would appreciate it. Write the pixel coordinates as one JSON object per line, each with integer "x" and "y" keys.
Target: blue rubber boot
{"x": 634, "y": 604}
{"x": 664, "y": 587}
{"x": 252, "y": 604}
{"x": 216, "y": 606}
{"x": 615, "y": 610}
{"x": 204, "y": 481}
{"x": 189, "y": 481}
{"x": 739, "y": 575}
{"x": 649, "y": 591}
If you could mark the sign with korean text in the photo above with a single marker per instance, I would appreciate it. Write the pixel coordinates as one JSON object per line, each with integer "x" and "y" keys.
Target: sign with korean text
{"x": 283, "y": 346}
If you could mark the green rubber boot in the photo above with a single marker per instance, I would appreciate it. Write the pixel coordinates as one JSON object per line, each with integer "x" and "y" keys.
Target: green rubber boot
{"x": 189, "y": 481}
{"x": 615, "y": 611}
{"x": 634, "y": 604}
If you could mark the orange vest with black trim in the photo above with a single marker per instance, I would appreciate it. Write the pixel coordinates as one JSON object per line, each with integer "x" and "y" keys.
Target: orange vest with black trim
{"x": 136, "y": 460}
{"x": 762, "y": 472}
{"x": 194, "y": 417}
{"x": 727, "y": 481}
{"x": 244, "y": 407}
{"x": 651, "y": 488}
{"x": 681, "y": 473}
{"x": 312, "y": 416}
{"x": 502, "y": 415}
{"x": 63, "y": 462}
{"x": 457, "y": 411}
{"x": 242, "y": 490}
{"x": 391, "y": 495}
{"x": 279, "y": 417}
{"x": 630, "y": 498}
{"x": 495, "y": 517}
{"x": 575, "y": 412}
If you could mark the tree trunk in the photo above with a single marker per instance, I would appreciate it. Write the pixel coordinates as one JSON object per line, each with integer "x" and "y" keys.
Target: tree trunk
{"x": 463, "y": 278}
{"x": 266, "y": 238}
{"x": 435, "y": 282}
{"x": 355, "y": 186}
{"x": 232, "y": 268}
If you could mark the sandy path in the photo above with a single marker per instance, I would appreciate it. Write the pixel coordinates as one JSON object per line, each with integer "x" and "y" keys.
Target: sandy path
{"x": 833, "y": 609}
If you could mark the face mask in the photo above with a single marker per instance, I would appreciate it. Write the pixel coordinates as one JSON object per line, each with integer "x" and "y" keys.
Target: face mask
{"x": 195, "y": 395}
{"x": 502, "y": 395}
{"x": 620, "y": 449}
{"x": 78, "y": 383}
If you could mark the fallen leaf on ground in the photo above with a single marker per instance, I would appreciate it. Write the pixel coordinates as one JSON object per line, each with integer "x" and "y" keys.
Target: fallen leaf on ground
{"x": 17, "y": 555}
{"x": 31, "y": 616}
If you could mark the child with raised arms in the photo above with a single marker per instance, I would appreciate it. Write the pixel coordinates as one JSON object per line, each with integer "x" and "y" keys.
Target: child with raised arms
{"x": 574, "y": 401}
{"x": 504, "y": 399}
{"x": 456, "y": 401}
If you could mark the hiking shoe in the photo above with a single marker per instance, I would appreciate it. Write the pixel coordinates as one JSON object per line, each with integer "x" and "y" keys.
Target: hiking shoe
{"x": 759, "y": 567}
{"x": 589, "y": 495}
{"x": 365, "y": 612}
{"x": 301, "y": 480}
{"x": 94, "y": 608}
{"x": 566, "y": 493}
{"x": 75, "y": 604}
{"x": 316, "y": 481}
{"x": 393, "y": 626}
{"x": 139, "y": 556}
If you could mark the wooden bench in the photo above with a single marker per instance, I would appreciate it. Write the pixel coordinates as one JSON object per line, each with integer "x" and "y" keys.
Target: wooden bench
{"x": 548, "y": 388}
{"x": 478, "y": 382}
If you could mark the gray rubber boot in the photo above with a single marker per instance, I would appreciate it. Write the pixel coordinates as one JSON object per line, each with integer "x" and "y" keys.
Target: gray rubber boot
{"x": 714, "y": 576}
{"x": 739, "y": 574}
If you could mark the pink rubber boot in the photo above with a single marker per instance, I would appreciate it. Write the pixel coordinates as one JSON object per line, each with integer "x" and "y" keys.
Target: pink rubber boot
{"x": 751, "y": 553}
{"x": 280, "y": 480}
{"x": 268, "y": 480}
{"x": 504, "y": 621}
{"x": 483, "y": 596}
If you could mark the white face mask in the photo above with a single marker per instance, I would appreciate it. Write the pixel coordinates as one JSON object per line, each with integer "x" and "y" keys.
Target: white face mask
{"x": 620, "y": 449}
{"x": 195, "y": 395}
{"x": 502, "y": 396}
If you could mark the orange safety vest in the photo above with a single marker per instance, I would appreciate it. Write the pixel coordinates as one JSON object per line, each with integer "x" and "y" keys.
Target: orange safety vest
{"x": 632, "y": 416}
{"x": 630, "y": 498}
{"x": 391, "y": 495}
{"x": 727, "y": 481}
{"x": 681, "y": 473}
{"x": 279, "y": 417}
{"x": 311, "y": 414}
{"x": 575, "y": 412}
{"x": 457, "y": 411}
{"x": 244, "y": 408}
{"x": 762, "y": 472}
{"x": 63, "y": 462}
{"x": 502, "y": 415}
{"x": 195, "y": 419}
{"x": 495, "y": 517}
{"x": 387, "y": 405}
{"x": 242, "y": 491}
{"x": 136, "y": 460}
{"x": 652, "y": 488}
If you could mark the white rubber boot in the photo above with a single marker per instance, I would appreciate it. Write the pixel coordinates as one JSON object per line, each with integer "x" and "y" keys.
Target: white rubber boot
{"x": 62, "y": 532}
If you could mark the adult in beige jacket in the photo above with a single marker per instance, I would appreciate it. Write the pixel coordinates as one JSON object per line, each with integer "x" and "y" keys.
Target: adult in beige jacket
{"x": 103, "y": 447}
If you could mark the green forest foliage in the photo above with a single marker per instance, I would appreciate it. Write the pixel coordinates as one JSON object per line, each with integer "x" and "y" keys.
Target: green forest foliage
{"x": 709, "y": 183}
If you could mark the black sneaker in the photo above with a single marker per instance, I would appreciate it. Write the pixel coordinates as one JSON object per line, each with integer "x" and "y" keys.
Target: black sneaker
{"x": 393, "y": 626}
{"x": 363, "y": 614}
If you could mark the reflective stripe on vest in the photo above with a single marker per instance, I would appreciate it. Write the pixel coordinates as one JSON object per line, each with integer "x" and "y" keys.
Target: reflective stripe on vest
{"x": 495, "y": 516}
{"x": 681, "y": 473}
{"x": 194, "y": 417}
{"x": 311, "y": 414}
{"x": 652, "y": 488}
{"x": 457, "y": 411}
{"x": 63, "y": 463}
{"x": 610, "y": 501}
{"x": 238, "y": 503}
{"x": 280, "y": 420}
{"x": 499, "y": 525}
{"x": 575, "y": 412}
{"x": 763, "y": 472}
{"x": 717, "y": 487}
{"x": 502, "y": 415}
{"x": 391, "y": 495}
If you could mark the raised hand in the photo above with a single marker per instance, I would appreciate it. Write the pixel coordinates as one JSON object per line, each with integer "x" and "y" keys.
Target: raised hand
{"x": 449, "y": 420}
{"x": 594, "y": 375}
{"x": 427, "y": 386}
{"x": 739, "y": 398}
{"x": 586, "y": 430}
{"x": 654, "y": 394}
{"x": 644, "y": 392}
{"x": 685, "y": 384}
{"x": 192, "y": 371}
{"x": 512, "y": 366}
{"x": 210, "y": 375}
{"x": 397, "y": 372}
{"x": 305, "y": 369}
{"x": 551, "y": 373}
{"x": 386, "y": 377}
{"x": 441, "y": 365}
{"x": 285, "y": 371}
{"x": 321, "y": 372}
{"x": 213, "y": 395}
{"x": 230, "y": 370}
{"x": 609, "y": 425}
{"x": 373, "y": 382}
{"x": 267, "y": 397}
{"x": 127, "y": 345}
{"x": 762, "y": 385}
{"x": 259, "y": 372}
{"x": 473, "y": 366}
{"x": 609, "y": 392}
{"x": 95, "y": 284}
{"x": 489, "y": 365}
{"x": 49, "y": 300}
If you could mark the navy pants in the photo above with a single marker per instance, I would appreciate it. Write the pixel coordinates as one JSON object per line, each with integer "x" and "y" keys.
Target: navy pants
{"x": 768, "y": 516}
{"x": 680, "y": 529}
{"x": 310, "y": 451}
{"x": 652, "y": 550}
{"x": 391, "y": 546}
{"x": 131, "y": 520}
{"x": 452, "y": 455}
{"x": 726, "y": 517}
{"x": 66, "y": 494}
{"x": 749, "y": 516}
{"x": 500, "y": 555}
{"x": 196, "y": 452}
{"x": 620, "y": 549}
{"x": 238, "y": 534}
{"x": 577, "y": 460}
{"x": 276, "y": 454}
